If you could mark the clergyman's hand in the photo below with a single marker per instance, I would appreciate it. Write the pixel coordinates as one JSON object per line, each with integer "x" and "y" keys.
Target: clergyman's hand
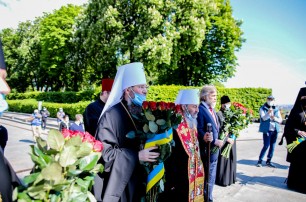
{"x": 302, "y": 133}
{"x": 147, "y": 155}
{"x": 219, "y": 143}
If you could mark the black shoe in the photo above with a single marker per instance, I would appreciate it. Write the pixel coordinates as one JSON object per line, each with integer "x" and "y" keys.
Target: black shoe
{"x": 259, "y": 164}
{"x": 271, "y": 165}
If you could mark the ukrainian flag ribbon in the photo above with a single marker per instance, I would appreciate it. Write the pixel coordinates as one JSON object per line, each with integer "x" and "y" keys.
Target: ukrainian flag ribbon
{"x": 159, "y": 139}
{"x": 158, "y": 172}
{"x": 155, "y": 175}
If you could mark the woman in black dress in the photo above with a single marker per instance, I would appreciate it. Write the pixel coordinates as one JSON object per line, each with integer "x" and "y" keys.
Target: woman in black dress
{"x": 226, "y": 167}
{"x": 296, "y": 128}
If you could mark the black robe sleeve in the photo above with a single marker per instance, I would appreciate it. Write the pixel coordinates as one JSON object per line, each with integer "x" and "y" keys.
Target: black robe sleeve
{"x": 8, "y": 179}
{"x": 120, "y": 155}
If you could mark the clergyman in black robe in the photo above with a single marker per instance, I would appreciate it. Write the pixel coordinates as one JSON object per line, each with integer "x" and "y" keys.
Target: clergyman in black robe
{"x": 121, "y": 156}
{"x": 226, "y": 167}
{"x": 296, "y": 128}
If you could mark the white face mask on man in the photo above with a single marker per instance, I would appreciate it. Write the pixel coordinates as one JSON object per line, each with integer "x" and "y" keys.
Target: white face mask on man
{"x": 271, "y": 103}
{"x": 227, "y": 106}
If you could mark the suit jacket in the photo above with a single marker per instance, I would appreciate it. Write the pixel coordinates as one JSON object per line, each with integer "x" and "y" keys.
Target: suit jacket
{"x": 204, "y": 117}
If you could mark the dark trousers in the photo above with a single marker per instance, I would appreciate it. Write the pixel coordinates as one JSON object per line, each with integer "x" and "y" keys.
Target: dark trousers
{"x": 269, "y": 140}
{"x": 43, "y": 123}
{"x": 212, "y": 178}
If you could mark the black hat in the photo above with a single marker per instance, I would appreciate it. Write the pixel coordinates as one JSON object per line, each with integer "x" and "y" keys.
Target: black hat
{"x": 225, "y": 99}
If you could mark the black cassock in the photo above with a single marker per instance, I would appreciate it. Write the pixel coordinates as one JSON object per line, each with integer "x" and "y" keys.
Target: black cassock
{"x": 122, "y": 176}
{"x": 297, "y": 175}
{"x": 92, "y": 114}
{"x": 8, "y": 179}
{"x": 226, "y": 168}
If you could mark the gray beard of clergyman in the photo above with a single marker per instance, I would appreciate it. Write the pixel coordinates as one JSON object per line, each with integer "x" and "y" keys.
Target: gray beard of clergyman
{"x": 192, "y": 121}
{"x": 133, "y": 109}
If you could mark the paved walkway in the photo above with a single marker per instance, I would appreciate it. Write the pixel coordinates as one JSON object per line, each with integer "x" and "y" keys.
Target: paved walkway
{"x": 253, "y": 184}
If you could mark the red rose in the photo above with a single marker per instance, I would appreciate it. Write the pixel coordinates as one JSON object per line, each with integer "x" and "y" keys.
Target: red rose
{"x": 152, "y": 106}
{"x": 172, "y": 105}
{"x": 66, "y": 133}
{"x": 88, "y": 138}
{"x": 177, "y": 108}
{"x": 97, "y": 146}
{"x": 145, "y": 105}
{"x": 162, "y": 106}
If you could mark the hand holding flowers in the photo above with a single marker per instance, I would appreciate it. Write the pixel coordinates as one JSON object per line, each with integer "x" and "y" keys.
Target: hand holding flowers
{"x": 236, "y": 118}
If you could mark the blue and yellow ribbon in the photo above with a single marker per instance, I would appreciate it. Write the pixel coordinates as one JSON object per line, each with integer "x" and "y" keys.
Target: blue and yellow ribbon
{"x": 159, "y": 139}
{"x": 155, "y": 175}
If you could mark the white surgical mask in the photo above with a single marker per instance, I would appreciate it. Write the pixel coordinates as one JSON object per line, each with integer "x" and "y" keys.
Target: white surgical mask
{"x": 271, "y": 103}
{"x": 227, "y": 106}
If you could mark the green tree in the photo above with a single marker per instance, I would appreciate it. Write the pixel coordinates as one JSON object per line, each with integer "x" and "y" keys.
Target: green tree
{"x": 186, "y": 42}
{"x": 56, "y": 31}
{"x": 215, "y": 61}
{"x": 22, "y": 52}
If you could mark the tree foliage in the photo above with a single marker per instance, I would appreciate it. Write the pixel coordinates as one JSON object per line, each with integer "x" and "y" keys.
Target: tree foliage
{"x": 184, "y": 42}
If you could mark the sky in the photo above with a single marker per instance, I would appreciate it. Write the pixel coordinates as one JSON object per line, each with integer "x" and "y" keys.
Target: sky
{"x": 273, "y": 56}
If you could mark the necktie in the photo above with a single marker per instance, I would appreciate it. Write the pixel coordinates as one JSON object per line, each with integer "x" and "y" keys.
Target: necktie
{"x": 213, "y": 114}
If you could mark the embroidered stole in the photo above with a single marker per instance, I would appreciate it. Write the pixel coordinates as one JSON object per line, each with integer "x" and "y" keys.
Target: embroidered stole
{"x": 189, "y": 140}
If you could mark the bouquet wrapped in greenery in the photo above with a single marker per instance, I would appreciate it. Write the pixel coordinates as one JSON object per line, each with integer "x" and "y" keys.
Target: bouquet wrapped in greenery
{"x": 64, "y": 168}
{"x": 236, "y": 118}
{"x": 157, "y": 121}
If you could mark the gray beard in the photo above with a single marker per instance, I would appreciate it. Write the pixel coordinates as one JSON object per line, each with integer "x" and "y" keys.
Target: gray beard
{"x": 192, "y": 121}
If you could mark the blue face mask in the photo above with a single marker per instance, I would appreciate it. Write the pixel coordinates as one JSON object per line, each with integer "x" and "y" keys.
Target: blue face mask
{"x": 138, "y": 99}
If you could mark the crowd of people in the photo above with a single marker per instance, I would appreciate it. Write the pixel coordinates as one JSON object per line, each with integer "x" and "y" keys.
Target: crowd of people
{"x": 193, "y": 169}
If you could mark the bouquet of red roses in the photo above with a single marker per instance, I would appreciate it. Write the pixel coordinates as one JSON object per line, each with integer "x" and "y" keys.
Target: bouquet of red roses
{"x": 64, "y": 168}
{"x": 157, "y": 121}
{"x": 236, "y": 118}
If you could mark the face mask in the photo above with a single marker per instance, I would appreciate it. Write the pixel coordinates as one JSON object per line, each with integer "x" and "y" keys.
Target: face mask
{"x": 138, "y": 99}
{"x": 270, "y": 103}
{"x": 227, "y": 106}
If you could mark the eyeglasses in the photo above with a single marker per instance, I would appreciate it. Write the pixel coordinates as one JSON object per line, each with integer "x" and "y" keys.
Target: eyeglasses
{"x": 142, "y": 87}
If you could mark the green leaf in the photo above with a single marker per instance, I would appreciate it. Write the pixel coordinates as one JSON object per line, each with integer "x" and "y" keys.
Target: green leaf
{"x": 56, "y": 140}
{"x": 161, "y": 122}
{"x": 30, "y": 178}
{"x": 83, "y": 183}
{"x": 88, "y": 162}
{"x": 42, "y": 144}
{"x": 37, "y": 192}
{"x": 145, "y": 128}
{"x": 74, "y": 141}
{"x": 84, "y": 149}
{"x": 91, "y": 197}
{"x": 131, "y": 134}
{"x": 68, "y": 156}
{"x": 149, "y": 116}
{"x": 53, "y": 172}
{"x": 153, "y": 126}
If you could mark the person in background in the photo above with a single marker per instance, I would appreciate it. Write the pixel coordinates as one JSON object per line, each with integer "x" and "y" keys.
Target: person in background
{"x": 122, "y": 179}
{"x": 184, "y": 168}
{"x": 77, "y": 125}
{"x": 226, "y": 167}
{"x": 270, "y": 119}
{"x": 64, "y": 124}
{"x": 207, "y": 114}
{"x": 44, "y": 115}
{"x": 8, "y": 177}
{"x": 35, "y": 119}
{"x": 60, "y": 116}
{"x": 93, "y": 110}
{"x": 3, "y": 137}
{"x": 296, "y": 128}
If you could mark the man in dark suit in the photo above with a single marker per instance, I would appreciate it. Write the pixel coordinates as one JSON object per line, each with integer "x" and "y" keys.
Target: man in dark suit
{"x": 207, "y": 114}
